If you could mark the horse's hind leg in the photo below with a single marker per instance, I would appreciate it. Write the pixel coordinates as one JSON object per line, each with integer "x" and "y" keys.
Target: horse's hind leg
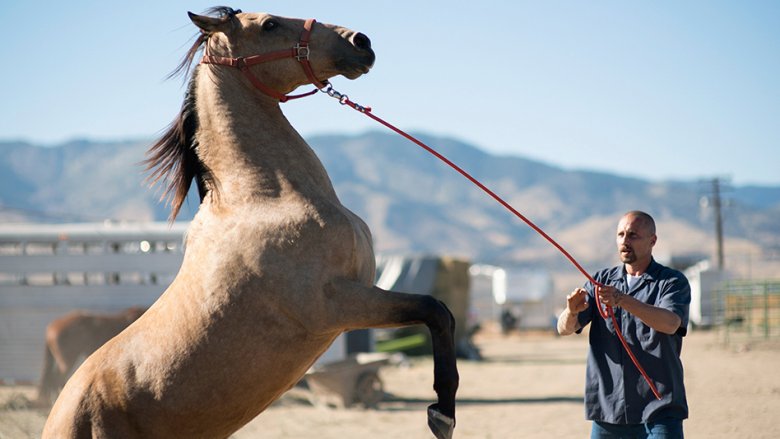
{"x": 363, "y": 307}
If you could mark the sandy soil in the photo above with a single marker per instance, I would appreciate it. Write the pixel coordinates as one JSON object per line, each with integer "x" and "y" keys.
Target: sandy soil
{"x": 529, "y": 386}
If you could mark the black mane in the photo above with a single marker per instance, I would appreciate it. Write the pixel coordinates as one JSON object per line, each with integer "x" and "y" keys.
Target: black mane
{"x": 173, "y": 158}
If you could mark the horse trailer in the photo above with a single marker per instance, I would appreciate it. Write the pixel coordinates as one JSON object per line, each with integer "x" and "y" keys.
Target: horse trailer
{"x": 48, "y": 270}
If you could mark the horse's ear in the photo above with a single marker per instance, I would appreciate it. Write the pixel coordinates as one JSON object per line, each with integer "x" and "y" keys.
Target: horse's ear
{"x": 209, "y": 25}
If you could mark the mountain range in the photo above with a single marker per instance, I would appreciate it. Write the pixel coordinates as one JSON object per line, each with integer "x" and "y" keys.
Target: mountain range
{"x": 414, "y": 203}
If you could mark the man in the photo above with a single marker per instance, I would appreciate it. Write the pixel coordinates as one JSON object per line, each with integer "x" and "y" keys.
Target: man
{"x": 650, "y": 303}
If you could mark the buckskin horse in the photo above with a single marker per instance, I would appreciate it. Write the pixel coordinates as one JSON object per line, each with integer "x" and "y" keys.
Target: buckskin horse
{"x": 73, "y": 337}
{"x": 275, "y": 267}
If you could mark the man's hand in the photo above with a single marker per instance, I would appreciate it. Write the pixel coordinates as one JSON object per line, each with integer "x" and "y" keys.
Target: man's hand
{"x": 609, "y": 296}
{"x": 577, "y": 301}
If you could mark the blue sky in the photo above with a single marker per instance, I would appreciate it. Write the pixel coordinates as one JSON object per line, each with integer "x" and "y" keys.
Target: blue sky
{"x": 658, "y": 90}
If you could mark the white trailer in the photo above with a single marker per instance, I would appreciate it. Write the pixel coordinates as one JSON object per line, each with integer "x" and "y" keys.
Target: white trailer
{"x": 48, "y": 270}
{"x": 522, "y": 294}
{"x": 705, "y": 310}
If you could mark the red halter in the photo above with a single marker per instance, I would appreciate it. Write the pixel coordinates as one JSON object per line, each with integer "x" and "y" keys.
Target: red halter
{"x": 300, "y": 52}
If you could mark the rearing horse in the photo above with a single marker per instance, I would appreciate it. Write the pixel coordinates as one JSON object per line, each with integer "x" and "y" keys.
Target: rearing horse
{"x": 275, "y": 266}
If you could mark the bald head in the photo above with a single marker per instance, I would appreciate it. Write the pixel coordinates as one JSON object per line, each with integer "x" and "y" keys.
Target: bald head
{"x": 642, "y": 219}
{"x": 635, "y": 240}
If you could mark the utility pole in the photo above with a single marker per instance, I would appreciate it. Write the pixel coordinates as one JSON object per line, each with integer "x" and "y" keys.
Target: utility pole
{"x": 716, "y": 206}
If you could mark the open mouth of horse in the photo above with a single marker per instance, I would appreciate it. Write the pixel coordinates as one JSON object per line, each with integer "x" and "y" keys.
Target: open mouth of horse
{"x": 356, "y": 73}
{"x": 355, "y": 68}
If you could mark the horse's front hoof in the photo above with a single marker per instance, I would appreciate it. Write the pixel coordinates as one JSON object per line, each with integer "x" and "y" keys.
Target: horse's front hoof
{"x": 440, "y": 424}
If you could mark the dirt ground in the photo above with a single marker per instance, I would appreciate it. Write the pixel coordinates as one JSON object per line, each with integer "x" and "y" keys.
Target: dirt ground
{"x": 529, "y": 386}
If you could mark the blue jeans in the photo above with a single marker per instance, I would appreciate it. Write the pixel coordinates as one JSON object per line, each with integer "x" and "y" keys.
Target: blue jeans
{"x": 661, "y": 429}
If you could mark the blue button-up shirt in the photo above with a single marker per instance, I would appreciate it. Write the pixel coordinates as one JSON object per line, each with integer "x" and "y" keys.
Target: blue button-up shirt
{"x": 615, "y": 391}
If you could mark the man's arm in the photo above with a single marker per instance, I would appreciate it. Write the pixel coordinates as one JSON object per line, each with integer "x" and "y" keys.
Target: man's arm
{"x": 576, "y": 302}
{"x": 660, "y": 319}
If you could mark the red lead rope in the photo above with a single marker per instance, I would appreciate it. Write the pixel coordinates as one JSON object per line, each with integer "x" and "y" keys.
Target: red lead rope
{"x": 609, "y": 313}
{"x": 301, "y": 53}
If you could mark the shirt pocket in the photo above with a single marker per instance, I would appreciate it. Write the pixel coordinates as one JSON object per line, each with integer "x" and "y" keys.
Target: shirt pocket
{"x": 645, "y": 334}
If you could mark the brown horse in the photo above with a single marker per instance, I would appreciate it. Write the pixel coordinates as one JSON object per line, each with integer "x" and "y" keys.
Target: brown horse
{"x": 275, "y": 267}
{"x": 74, "y": 337}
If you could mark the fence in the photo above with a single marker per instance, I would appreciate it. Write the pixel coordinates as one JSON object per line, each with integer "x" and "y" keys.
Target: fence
{"x": 750, "y": 310}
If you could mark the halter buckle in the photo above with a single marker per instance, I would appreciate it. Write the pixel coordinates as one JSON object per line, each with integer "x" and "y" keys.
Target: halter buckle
{"x": 302, "y": 51}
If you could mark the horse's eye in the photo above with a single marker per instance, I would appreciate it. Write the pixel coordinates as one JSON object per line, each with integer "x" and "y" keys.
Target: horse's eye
{"x": 270, "y": 25}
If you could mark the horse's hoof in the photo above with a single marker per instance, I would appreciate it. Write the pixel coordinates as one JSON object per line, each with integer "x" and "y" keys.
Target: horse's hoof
{"x": 440, "y": 424}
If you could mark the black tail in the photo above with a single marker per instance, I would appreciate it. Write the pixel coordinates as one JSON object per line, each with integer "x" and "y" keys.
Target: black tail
{"x": 49, "y": 384}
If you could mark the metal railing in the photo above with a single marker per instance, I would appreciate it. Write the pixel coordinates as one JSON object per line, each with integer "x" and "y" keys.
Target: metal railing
{"x": 749, "y": 311}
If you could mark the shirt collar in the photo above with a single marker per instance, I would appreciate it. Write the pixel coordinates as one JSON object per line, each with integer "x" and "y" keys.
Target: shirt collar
{"x": 649, "y": 274}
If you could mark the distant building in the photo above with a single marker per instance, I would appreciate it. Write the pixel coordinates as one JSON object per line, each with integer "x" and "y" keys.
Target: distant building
{"x": 704, "y": 281}
{"x": 517, "y": 295}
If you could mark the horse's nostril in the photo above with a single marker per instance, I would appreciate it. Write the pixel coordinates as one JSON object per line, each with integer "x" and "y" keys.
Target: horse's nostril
{"x": 361, "y": 41}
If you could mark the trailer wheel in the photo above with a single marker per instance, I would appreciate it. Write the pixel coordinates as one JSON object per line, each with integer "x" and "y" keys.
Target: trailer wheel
{"x": 369, "y": 390}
